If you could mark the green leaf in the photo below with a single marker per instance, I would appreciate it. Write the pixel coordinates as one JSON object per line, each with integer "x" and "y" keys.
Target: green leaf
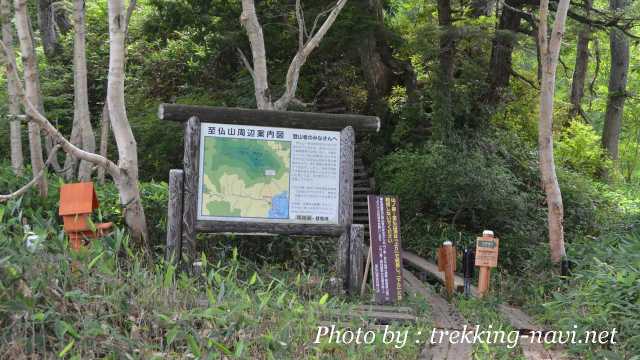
{"x": 253, "y": 279}
{"x": 67, "y": 348}
{"x": 239, "y": 349}
{"x": 168, "y": 275}
{"x": 38, "y": 316}
{"x": 193, "y": 345}
{"x": 93, "y": 262}
{"x": 171, "y": 335}
{"x": 220, "y": 347}
{"x": 91, "y": 225}
{"x": 324, "y": 299}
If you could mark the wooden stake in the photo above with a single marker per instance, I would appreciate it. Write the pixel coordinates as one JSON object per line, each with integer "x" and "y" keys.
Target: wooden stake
{"x": 366, "y": 273}
{"x": 174, "y": 216}
{"x": 483, "y": 280}
{"x": 449, "y": 276}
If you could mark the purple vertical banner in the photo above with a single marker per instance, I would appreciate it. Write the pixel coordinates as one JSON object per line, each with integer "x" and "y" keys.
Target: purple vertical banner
{"x": 386, "y": 249}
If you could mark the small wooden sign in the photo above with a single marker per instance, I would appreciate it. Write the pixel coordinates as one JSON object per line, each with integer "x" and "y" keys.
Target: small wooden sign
{"x": 386, "y": 250}
{"x": 487, "y": 251}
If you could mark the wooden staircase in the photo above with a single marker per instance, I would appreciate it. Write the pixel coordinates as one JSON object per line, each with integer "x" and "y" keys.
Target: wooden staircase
{"x": 363, "y": 185}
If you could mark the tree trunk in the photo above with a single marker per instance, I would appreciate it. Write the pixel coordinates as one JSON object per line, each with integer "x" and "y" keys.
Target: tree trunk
{"x": 32, "y": 90}
{"x": 104, "y": 120}
{"x": 582, "y": 64}
{"x": 104, "y": 139}
{"x": 446, "y": 41}
{"x": 376, "y": 73}
{"x": 15, "y": 128}
{"x": 127, "y": 181}
{"x": 249, "y": 20}
{"x": 481, "y": 8}
{"x": 71, "y": 163}
{"x": 443, "y": 118}
{"x": 381, "y": 70}
{"x": 47, "y": 24}
{"x": 549, "y": 53}
{"x": 81, "y": 100}
{"x": 619, "y": 44}
{"x": 500, "y": 68}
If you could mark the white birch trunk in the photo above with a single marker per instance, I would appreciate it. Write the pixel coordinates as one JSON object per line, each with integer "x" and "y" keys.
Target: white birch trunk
{"x": 15, "y": 128}
{"x": 249, "y": 19}
{"x": 549, "y": 54}
{"x": 127, "y": 181}
{"x": 81, "y": 98}
{"x": 32, "y": 90}
{"x": 259, "y": 71}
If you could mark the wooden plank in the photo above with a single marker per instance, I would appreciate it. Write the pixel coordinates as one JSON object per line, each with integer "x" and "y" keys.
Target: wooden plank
{"x": 174, "y": 215}
{"x": 345, "y": 207}
{"x": 342, "y": 259}
{"x": 378, "y": 315}
{"x": 356, "y": 257}
{"x": 347, "y": 140}
{"x": 290, "y": 119}
{"x": 432, "y": 270}
{"x": 190, "y": 165}
{"x": 385, "y": 308}
{"x": 242, "y": 227}
{"x": 443, "y": 314}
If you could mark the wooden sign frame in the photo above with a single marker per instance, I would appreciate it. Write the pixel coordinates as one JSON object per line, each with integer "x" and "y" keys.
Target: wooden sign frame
{"x": 182, "y": 223}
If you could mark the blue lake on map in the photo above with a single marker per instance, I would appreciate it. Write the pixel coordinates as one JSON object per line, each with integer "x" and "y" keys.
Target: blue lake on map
{"x": 280, "y": 206}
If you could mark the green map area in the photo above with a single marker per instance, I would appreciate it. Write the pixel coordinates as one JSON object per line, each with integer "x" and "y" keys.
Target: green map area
{"x": 246, "y": 178}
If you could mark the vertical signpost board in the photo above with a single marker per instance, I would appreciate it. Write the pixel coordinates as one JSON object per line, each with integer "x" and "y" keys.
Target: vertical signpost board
{"x": 386, "y": 249}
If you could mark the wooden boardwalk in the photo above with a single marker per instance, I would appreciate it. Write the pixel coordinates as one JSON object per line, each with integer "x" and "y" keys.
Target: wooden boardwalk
{"x": 445, "y": 316}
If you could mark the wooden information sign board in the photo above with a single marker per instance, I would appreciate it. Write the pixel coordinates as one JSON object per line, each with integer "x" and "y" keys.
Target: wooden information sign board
{"x": 386, "y": 249}
{"x": 265, "y": 172}
{"x": 487, "y": 251}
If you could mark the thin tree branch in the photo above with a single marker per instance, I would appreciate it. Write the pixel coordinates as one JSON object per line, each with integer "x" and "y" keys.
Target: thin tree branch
{"x": 293, "y": 74}
{"x": 523, "y": 78}
{"x": 246, "y": 63}
{"x": 301, "y": 27}
{"x": 34, "y": 180}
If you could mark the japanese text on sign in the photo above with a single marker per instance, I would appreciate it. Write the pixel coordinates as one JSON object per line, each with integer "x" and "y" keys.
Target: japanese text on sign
{"x": 386, "y": 250}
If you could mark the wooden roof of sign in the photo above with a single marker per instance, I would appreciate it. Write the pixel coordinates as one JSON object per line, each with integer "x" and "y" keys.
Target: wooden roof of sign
{"x": 78, "y": 198}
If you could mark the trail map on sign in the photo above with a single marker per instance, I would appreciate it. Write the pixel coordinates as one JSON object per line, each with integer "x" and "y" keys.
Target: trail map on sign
{"x": 246, "y": 178}
{"x": 252, "y": 173}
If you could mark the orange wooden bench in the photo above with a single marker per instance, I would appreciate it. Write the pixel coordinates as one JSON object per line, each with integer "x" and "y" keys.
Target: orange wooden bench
{"x": 77, "y": 202}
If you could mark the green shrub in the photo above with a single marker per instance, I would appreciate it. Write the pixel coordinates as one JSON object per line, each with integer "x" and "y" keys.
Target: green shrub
{"x": 456, "y": 189}
{"x": 602, "y": 294}
{"x": 579, "y": 149}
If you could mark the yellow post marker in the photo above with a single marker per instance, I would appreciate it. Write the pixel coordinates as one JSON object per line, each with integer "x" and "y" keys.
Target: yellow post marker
{"x": 486, "y": 258}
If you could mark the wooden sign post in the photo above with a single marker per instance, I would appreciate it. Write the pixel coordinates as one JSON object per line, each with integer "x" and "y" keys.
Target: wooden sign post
{"x": 447, "y": 264}
{"x": 386, "y": 249}
{"x": 266, "y": 172}
{"x": 486, "y": 258}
